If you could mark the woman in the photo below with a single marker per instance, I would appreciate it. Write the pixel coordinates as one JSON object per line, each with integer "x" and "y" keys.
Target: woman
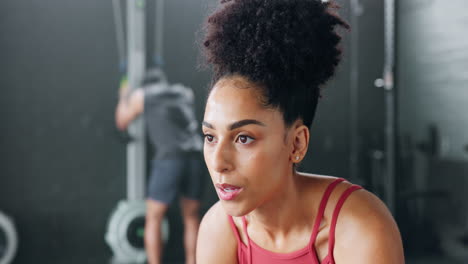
{"x": 269, "y": 59}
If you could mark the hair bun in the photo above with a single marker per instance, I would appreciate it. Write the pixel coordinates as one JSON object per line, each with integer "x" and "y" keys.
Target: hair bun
{"x": 284, "y": 44}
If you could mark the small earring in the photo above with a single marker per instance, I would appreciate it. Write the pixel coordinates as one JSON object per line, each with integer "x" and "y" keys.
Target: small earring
{"x": 297, "y": 157}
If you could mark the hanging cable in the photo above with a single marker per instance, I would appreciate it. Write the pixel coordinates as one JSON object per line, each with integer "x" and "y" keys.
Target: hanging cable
{"x": 158, "y": 33}
{"x": 119, "y": 34}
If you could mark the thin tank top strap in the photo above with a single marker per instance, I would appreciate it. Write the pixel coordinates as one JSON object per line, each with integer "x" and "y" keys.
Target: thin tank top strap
{"x": 331, "y": 237}
{"x": 239, "y": 240}
{"x": 321, "y": 210}
{"x": 244, "y": 226}
{"x": 234, "y": 229}
{"x": 249, "y": 248}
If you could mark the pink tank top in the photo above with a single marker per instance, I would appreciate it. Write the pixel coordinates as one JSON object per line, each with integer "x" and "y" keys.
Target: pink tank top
{"x": 254, "y": 254}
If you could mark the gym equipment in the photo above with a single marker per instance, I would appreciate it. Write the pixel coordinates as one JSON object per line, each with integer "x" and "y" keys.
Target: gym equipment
{"x": 8, "y": 239}
{"x": 454, "y": 243}
{"x": 119, "y": 34}
{"x": 354, "y": 142}
{"x": 387, "y": 83}
{"x": 125, "y": 230}
{"x": 390, "y": 111}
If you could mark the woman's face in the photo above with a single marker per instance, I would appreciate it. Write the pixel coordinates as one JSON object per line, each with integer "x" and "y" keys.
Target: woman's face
{"x": 246, "y": 146}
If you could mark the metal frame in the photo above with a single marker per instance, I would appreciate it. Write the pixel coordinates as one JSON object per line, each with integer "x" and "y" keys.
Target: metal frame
{"x": 390, "y": 109}
{"x": 354, "y": 142}
{"x": 136, "y": 149}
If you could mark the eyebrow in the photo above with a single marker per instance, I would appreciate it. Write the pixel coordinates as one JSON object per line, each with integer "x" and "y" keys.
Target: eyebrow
{"x": 237, "y": 124}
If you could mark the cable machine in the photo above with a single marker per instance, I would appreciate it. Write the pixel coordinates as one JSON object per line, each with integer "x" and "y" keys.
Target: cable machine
{"x": 356, "y": 11}
{"x": 390, "y": 115}
{"x": 126, "y": 224}
{"x": 387, "y": 83}
{"x": 8, "y": 239}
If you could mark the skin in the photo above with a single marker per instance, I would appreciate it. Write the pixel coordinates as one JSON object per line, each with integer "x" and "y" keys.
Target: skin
{"x": 129, "y": 107}
{"x": 280, "y": 204}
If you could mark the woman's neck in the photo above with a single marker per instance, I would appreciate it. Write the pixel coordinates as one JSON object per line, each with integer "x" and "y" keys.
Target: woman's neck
{"x": 282, "y": 213}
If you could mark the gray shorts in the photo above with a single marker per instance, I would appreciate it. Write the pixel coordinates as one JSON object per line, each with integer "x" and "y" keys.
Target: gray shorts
{"x": 182, "y": 174}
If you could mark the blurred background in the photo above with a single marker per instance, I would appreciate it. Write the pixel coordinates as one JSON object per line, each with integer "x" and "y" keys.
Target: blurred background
{"x": 394, "y": 119}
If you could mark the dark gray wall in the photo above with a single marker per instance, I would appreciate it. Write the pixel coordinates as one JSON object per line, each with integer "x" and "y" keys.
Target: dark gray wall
{"x": 433, "y": 73}
{"x": 432, "y": 96}
{"x": 328, "y": 149}
{"x": 62, "y": 166}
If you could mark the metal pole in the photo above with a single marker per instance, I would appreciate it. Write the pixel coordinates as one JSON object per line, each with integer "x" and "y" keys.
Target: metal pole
{"x": 136, "y": 149}
{"x": 388, "y": 77}
{"x": 356, "y": 11}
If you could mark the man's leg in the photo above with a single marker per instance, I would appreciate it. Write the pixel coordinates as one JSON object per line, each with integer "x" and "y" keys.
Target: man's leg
{"x": 191, "y": 218}
{"x": 155, "y": 212}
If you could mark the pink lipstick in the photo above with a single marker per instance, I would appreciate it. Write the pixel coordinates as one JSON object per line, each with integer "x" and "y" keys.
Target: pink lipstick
{"x": 227, "y": 192}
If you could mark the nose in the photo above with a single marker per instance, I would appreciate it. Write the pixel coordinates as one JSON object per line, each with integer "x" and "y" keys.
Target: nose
{"x": 222, "y": 157}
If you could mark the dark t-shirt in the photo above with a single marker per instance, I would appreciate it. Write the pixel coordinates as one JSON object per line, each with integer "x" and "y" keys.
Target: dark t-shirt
{"x": 170, "y": 120}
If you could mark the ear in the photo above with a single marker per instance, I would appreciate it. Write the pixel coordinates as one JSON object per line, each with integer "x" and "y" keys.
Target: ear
{"x": 300, "y": 137}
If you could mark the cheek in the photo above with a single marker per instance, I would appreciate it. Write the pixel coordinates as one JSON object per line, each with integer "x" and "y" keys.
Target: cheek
{"x": 266, "y": 160}
{"x": 207, "y": 155}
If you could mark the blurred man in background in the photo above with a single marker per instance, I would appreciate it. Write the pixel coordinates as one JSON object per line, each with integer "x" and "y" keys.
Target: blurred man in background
{"x": 177, "y": 165}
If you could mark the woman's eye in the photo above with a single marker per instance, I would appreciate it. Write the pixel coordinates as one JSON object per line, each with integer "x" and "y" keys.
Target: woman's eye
{"x": 245, "y": 139}
{"x": 209, "y": 138}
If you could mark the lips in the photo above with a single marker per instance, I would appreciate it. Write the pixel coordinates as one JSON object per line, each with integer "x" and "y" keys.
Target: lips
{"x": 227, "y": 192}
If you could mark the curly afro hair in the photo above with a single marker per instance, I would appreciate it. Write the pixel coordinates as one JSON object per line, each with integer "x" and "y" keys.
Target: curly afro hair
{"x": 288, "y": 47}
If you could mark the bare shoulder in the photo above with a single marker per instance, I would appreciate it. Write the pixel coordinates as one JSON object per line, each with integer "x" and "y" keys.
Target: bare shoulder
{"x": 366, "y": 232}
{"x": 216, "y": 240}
